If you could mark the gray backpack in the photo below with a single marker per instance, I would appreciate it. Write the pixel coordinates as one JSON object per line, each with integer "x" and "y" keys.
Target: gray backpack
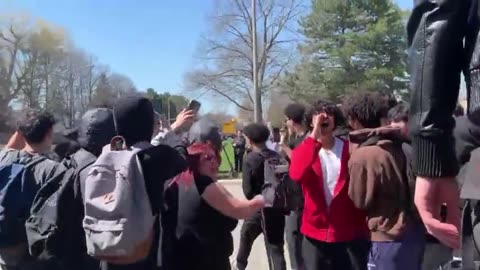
{"x": 118, "y": 220}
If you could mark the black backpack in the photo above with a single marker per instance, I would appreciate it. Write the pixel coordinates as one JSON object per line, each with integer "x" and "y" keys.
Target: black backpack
{"x": 17, "y": 192}
{"x": 54, "y": 228}
{"x": 279, "y": 190}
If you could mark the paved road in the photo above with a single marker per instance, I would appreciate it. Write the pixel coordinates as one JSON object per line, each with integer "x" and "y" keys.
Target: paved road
{"x": 258, "y": 257}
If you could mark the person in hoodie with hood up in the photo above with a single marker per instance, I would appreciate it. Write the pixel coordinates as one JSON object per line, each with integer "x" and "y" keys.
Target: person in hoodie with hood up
{"x": 96, "y": 129}
{"x": 379, "y": 185}
{"x": 134, "y": 121}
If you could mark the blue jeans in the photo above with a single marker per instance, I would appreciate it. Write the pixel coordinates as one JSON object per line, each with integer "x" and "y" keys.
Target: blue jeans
{"x": 405, "y": 253}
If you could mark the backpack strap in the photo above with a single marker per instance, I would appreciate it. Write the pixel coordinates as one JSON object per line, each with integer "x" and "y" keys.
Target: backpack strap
{"x": 29, "y": 161}
{"x": 85, "y": 157}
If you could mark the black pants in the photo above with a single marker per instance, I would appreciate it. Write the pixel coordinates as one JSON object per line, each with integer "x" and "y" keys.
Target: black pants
{"x": 294, "y": 239}
{"x": 239, "y": 161}
{"x": 272, "y": 225}
{"x": 436, "y": 255}
{"x": 335, "y": 256}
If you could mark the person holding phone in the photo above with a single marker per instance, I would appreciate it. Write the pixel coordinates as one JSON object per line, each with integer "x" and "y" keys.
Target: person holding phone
{"x": 172, "y": 135}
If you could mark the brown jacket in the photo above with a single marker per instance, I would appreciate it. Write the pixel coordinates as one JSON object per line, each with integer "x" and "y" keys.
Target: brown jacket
{"x": 378, "y": 181}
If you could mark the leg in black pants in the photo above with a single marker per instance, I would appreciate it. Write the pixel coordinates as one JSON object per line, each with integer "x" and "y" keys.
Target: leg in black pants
{"x": 239, "y": 161}
{"x": 251, "y": 229}
{"x": 335, "y": 256}
{"x": 274, "y": 230}
{"x": 294, "y": 239}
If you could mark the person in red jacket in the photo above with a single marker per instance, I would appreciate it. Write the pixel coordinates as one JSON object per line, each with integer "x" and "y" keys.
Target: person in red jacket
{"x": 335, "y": 230}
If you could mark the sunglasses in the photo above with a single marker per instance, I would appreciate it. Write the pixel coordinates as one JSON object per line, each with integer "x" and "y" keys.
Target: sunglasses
{"x": 210, "y": 158}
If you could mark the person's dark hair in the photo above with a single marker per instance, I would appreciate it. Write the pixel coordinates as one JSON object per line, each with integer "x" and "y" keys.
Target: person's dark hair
{"x": 205, "y": 130}
{"x": 459, "y": 110}
{"x": 71, "y": 134}
{"x": 391, "y": 101}
{"x": 65, "y": 149}
{"x": 340, "y": 120}
{"x": 328, "y": 107}
{"x": 309, "y": 118}
{"x": 295, "y": 112}
{"x": 399, "y": 113}
{"x": 34, "y": 125}
{"x": 368, "y": 108}
{"x": 257, "y": 133}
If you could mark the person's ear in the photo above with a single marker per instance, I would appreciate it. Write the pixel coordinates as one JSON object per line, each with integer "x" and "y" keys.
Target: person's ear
{"x": 17, "y": 141}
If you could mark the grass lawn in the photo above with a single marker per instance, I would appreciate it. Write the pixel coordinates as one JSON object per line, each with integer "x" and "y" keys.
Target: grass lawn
{"x": 228, "y": 159}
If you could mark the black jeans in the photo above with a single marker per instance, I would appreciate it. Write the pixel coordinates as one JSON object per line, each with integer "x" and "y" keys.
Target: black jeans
{"x": 351, "y": 255}
{"x": 272, "y": 224}
{"x": 239, "y": 161}
{"x": 436, "y": 255}
{"x": 294, "y": 239}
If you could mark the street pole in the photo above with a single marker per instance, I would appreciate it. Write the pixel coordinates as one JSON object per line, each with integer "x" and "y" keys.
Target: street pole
{"x": 168, "y": 111}
{"x": 257, "y": 101}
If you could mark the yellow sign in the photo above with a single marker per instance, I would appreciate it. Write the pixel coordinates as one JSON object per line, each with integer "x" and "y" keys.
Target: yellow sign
{"x": 229, "y": 127}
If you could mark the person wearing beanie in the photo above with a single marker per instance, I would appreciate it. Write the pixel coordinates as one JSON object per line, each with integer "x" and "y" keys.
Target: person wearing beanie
{"x": 134, "y": 121}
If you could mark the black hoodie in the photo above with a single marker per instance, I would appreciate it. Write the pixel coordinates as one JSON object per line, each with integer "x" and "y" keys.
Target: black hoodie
{"x": 96, "y": 130}
{"x": 134, "y": 118}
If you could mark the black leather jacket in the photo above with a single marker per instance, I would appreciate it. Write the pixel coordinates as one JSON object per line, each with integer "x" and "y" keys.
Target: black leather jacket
{"x": 438, "y": 54}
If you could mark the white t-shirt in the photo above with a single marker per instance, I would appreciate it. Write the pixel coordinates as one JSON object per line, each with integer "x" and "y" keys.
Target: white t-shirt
{"x": 331, "y": 161}
{"x": 273, "y": 146}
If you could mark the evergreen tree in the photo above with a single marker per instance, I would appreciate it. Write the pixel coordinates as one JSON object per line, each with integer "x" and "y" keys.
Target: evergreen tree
{"x": 349, "y": 45}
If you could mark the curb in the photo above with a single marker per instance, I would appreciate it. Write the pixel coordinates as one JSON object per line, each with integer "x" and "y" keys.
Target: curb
{"x": 230, "y": 181}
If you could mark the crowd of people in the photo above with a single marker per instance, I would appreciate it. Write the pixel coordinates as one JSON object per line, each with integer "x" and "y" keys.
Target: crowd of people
{"x": 372, "y": 182}
{"x": 351, "y": 164}
{"x": 194, "y": 213}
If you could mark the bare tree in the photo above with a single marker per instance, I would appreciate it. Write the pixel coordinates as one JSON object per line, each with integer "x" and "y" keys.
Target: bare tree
{"x": 276, "y": 107}
{"x": 245, "y": 111}
{"x": 220, "y": 117}
{"x": 41, "y": 67}
{"x": 121, "y": 84}
{"x": 225, "y": 52}
{"x": 12, "y": 75}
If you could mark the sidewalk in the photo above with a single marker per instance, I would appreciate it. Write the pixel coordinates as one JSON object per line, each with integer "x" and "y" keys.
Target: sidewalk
{"x": 258, "y": 258}
{"x": 235, "y": 181}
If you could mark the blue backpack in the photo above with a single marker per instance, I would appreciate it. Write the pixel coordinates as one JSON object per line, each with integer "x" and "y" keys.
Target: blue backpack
{"x": 17, "y": 191}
